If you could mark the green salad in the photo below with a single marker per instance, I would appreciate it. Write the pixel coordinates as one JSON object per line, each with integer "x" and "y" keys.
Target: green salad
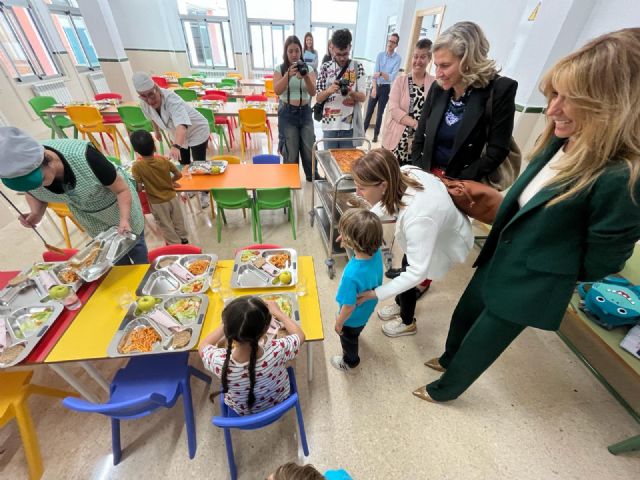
{"x": 31, "y": 325}
{"x": 185, "y": 310}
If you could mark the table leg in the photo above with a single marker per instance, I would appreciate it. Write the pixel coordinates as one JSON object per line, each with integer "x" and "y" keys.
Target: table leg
{"x": 71, "y": 380}
{"x": 309, "y": 362}
{"x": 96, "y": 375}
{"x": 54, "y": 125}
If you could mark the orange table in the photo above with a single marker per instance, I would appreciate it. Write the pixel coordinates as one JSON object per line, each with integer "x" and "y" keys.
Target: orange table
{"x": 247, "y": 176}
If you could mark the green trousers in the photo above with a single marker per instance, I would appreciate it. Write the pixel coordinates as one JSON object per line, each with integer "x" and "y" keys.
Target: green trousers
{"x": 475, "y": 340}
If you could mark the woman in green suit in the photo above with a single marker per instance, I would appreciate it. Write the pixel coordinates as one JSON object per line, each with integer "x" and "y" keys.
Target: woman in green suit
{"x": 573, "y": 215}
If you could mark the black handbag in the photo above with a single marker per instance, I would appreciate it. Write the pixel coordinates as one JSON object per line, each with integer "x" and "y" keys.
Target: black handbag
{"x": 318, "y": 108}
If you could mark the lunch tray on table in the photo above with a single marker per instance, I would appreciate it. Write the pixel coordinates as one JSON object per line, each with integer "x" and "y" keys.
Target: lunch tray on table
{"x": 173, "y": 325}
{"x": 205, "y": 167}
{"x": 173, "y": 275}
{"x": 255, "y": 268}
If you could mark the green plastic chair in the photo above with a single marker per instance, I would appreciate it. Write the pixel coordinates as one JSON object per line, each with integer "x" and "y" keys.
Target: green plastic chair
{"x": 213, "y": 128}
{"x": 228, "y": 82}
{"x": 232, "y": 199}
{"x": 42, "y": 103}
{"x": 198, "y": 74}
{"x": 186, "y": 94}
{"x": 183, "y": 80}
{"x": 114, "y": 160}
{"x": 133, "y": 120}
{"x": 273, "y": 199}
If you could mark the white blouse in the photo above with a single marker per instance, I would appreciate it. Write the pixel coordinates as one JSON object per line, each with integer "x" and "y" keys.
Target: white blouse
{"x": 543, "y": 178}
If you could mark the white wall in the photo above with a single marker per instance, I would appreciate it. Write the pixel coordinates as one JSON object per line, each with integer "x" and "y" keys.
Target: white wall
{"x": 610, "y": 15}
{"x": 371, "y": 29}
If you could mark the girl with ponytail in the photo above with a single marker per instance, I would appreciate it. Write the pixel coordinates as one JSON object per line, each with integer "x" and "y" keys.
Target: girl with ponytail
{"x": 253, "y": 373}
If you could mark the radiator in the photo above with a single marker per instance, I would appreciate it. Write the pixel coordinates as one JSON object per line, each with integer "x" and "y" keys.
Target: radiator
{"x": 215, "y": 73}
{"x": 98, "y": 82}
{"x": 55, "y": 88}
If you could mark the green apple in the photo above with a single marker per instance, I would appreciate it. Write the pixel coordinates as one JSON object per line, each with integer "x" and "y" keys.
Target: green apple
{"x": 146, "y": 303}
{"x": 58, "y": 292}
{"x": 215, "y": 170}
{"x": 285, "y": 277}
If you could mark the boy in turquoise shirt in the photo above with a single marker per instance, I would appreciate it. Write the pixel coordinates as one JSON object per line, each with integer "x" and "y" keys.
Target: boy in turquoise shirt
{"x": 361, "y": 231}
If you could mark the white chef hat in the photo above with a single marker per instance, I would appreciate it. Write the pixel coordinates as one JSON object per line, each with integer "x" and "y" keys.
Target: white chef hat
{"x": 21, "y": 157}
{"x": 142, "y": 82}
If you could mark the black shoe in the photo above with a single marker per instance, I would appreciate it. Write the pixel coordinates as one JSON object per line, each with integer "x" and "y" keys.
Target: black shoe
{"x": 393, "y": 272}
{"x": 375, "y": 139}
{"x": 184, "y": 241}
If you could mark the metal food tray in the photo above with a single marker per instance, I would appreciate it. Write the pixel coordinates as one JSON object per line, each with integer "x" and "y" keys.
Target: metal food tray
{"x": 15, "y": 322}
{"x": 132, "y": 321}
{"x": 56, "y": 268}
{"x": 332, "y": 150}
{"x": 246, "y": 275}
{"x": 158, "y": 280}
{"x": 195, "y": 167}
{"x": 291, "y": 296}
{"x": 113, "y": 247}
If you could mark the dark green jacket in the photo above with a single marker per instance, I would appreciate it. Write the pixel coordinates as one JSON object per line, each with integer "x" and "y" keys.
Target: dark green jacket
{"x": 534, "y": 255}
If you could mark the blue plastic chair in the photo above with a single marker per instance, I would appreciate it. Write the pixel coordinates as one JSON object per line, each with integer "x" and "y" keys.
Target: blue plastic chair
{"x": 266, "y": 158}
{"x": 230, "y": 419}
{"x": 144, "y": 385}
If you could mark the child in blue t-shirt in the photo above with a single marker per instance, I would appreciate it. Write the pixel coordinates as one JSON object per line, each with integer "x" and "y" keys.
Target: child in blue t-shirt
{"x": 361, "y": 231}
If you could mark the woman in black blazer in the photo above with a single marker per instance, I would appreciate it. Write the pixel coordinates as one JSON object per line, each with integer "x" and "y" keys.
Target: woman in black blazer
{"x": 455, "y": 125}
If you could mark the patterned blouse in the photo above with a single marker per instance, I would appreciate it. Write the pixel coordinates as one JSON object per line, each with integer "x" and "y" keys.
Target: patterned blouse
{"x": 417, "y": 98}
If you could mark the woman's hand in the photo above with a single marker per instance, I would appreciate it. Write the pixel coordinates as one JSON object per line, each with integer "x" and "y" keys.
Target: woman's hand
{"x": 293, "y": 71}
{"x": 175, "y": 153}
{"x": 124, "y": 226}
{"x": 364, "y": 296}
{"x": 30, "y": 220}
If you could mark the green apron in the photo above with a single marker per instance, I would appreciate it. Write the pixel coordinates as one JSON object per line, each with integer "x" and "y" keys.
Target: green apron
{"x": 92, "y": 204}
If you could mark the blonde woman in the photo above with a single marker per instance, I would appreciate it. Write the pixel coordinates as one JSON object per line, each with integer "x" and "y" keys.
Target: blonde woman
{"x": 406, "y": 102}
{"x": 455, "y": 118}
{"x": 430, "y": 230}
{"x": 573, "y": 215}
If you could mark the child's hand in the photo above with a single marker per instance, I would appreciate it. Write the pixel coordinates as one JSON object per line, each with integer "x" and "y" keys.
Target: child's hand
{"x": 274, "y": 309}
{"x": 176, "y": 185}
{"x": 338, "y": 328}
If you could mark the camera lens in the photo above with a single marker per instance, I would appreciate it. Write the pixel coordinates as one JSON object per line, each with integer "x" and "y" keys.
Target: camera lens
{"x": 302, "y": 68}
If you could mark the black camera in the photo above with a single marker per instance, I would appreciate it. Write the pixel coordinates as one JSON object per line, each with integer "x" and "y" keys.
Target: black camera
{"x": 343, "y": 83}
{"x": 302, "y": 67}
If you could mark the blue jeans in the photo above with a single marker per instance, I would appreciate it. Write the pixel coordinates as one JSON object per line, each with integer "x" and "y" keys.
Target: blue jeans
{"x": 381, "y": 99}
{"x": 338, "y": 134}
{"x": 296, "y": 137}
{"x": 138, "y": 255}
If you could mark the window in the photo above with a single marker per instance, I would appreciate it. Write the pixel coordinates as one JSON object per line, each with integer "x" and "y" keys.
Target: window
{"x": 23, "y": 51}
{"x": 268, "y": 31}
{"x": 207, "y": 33}
{"x": 323, "y": 20}
{"x": 73, "y": 33}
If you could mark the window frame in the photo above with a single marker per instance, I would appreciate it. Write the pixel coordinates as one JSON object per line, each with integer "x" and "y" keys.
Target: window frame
{"x": 268, "y": 23}
{"x": 205, "y": 20}
{"x": 19, "y": 35}
{"x": 70, "y": 12}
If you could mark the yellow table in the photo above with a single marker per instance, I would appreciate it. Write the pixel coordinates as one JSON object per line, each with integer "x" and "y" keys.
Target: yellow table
{"x": 88, "y": 337}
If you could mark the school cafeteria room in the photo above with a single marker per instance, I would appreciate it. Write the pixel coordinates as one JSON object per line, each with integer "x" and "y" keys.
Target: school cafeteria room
{"x": 307, "y": 239}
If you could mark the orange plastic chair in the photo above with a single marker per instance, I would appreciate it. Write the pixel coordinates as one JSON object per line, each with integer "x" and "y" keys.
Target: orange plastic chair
{"x": 175, "y": 75}
{"x": 88, "y": 121}
{"x": 232, "y": 159}
{"x": 268, "y": 88}
{"x": 253, "y": 120}
{"x": 15, "y": 391}
{"x": 234, "y": 75}
{"x": 63, "y": 212}
{"x": 192, "y": 84}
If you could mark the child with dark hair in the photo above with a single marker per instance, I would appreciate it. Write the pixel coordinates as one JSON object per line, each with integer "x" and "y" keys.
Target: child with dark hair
{"x": 361, "y": 231}
{"x": 159, "y": 176}
{"x": 254, "y": 376}
{"x": 293, "y": 471}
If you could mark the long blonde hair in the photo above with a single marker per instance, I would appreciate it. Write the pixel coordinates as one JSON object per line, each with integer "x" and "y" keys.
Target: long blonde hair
{"x": 380, "y": 165}
{"x": 601, "y": 82}
{"x": 466, "y": 41}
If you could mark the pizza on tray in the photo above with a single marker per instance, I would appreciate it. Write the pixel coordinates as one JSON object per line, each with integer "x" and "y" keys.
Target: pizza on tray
{"x": 345, "y": 158}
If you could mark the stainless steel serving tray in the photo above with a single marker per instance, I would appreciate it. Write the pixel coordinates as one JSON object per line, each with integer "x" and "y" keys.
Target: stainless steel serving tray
{"x": 112, "y": 247}
{"x": 23, "y": 329}
{"x": 204, "y": 167}
{"x": 247, "y": 275}
{"x": 158, "y": 280}
{"x": 57, "y": 268}
{"x": 132, "y": 321}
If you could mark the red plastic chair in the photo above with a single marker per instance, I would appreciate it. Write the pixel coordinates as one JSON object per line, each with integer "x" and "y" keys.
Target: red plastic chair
{"x": 161, "y": 82}
{"x": 228, "y": 121}
{"x": 214, "y": 96}
{"x": 217, "y": 92}
{"x": 111, "y": 117}
{"x": 173, "y": 250}
{"x": 59, "y": 257}
{"x": 256, "y": 98}
{"x": 257, "y": 246}
{"x": 268, "y": 75}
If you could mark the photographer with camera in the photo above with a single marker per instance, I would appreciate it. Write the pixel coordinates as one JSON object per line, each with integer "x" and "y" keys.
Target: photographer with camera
{"x": 341, "y": 90}
{"x": 294, "y": 82}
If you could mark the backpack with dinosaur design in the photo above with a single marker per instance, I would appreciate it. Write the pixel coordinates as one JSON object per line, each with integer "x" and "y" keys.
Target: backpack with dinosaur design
{"x": 611, "y": 302}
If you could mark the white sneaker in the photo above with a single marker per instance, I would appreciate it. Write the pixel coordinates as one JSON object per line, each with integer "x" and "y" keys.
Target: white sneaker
{"x": 396, "y": 328}
{"x": 337, "y": 362}
{"x": 389, "y": 312}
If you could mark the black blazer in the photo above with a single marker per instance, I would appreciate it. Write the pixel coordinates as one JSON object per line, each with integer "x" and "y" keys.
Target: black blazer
{"x": 467, "y": 161}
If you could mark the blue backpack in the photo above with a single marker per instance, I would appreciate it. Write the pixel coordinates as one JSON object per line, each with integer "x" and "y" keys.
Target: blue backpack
{"x": 611, "y": 302}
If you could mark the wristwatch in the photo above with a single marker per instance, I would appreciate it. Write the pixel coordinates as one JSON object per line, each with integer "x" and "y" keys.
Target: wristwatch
{"x": 175, "y": 145}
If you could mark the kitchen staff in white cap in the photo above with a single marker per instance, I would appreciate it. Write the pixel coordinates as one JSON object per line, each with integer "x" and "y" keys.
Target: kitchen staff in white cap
{"x": 167, "y": 111}
{"x": 74, "y": 172}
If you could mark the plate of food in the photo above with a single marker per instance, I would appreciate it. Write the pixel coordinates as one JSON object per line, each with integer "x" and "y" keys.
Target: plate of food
{"x": 346, "y": 157}
{"x": 209, "y": 167}
{"x": 178, "y": 275}
{"x": 267, "y": 268}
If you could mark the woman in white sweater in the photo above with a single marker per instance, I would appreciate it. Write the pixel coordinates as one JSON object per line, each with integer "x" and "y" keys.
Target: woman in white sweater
{"x": 431, "y": 231}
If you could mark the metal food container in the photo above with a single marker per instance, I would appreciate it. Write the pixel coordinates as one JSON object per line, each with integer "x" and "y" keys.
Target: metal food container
{"x": 253, "y": 268}
{"x": 159, "y": 280}
{"x": 166, "y": 337}
{"x": 204, "y": 167}
{"x": 102, "y": 253}
{"x": 25, "y": 326}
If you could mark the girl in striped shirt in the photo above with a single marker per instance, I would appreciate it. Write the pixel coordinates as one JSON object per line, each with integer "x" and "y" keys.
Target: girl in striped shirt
{"x": 253, "y": 374}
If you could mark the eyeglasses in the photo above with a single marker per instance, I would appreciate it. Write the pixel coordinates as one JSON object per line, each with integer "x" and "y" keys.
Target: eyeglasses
{"x": 149, "y": 94}
{"x": 393, "y": 42}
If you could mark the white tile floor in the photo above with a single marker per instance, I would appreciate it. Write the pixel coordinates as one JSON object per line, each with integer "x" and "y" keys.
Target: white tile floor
{"x": 538, "y": 413}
